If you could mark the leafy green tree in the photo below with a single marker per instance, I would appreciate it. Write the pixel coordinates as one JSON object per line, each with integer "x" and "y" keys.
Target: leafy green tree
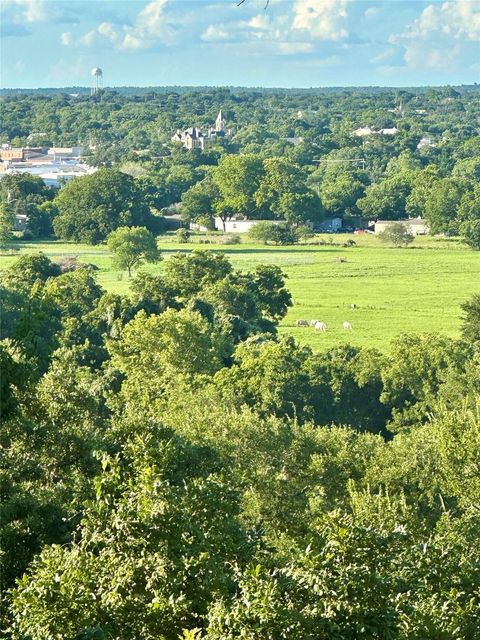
{"x": 93, "y": 206}
{"x": 422, "y": 185}
{"x": 132, "y": 246}
{"x": 237, "y": 178}
{"x": 273, "y": 298}
{"x": 471, "y": 319}
{"x": 346, "y": 387}
{"x": 339, "y": 193}
{"x": 156, "y": 350}
{"x": 385, "y": 200}
{"x": 262, "y": 232}
{"x": 471, "y": 233}
{"x": 284, "y": 194}
{"x": 75, "y": 293}
{"x": 441, "y": 207}
{"x": 29, "y": 268}
{"x": 198, "y": 201}
{"x": 188, "y": 274}
{"x": 414, "y": 372}
{"x": 7, "y": 224}
{"x": 397, "y": 234}
{"x": 155, "y": 546}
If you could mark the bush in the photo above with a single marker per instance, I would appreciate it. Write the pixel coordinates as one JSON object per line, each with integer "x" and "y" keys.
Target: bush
{"x": 183, "y": 235}
{"x": 396, "y": 234}
{"x": 232, "y": 239}
{"x": 266, "y": 232}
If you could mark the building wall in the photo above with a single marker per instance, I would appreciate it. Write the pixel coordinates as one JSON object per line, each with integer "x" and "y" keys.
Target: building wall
{"x": 415, "y": 227}
{"x": 240, "y": 226}
{"x": 13, "y": 155}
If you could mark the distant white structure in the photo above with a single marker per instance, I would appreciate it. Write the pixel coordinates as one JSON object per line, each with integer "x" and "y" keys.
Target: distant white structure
{"x": 65, "y": 152}
{"x": 389, "y": 132}
{"x": 363, "y": 132}
{"x": 426, "y": 143}
{"x": 97, "y": 75}
{"x": 240, "y": 226}
{"x": 416, "y": 226}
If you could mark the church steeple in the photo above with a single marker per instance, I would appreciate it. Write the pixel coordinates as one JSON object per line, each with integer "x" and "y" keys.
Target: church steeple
{"x": 220, "y": 124}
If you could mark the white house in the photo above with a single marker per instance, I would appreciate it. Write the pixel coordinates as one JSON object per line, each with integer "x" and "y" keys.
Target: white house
{"x": 416, "y": 226}
{"x": 363, "y": 131}
{"x": 426, "y": 142}
{"x": 240, "y": 226}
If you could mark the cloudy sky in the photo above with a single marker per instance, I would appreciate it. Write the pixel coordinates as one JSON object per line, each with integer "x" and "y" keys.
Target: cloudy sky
{"x": 300, "y": 43}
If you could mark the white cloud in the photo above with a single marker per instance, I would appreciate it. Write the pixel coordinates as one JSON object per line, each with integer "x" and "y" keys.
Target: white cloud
{"x": 459, "y": 19}
{"x": 214, "y": 34}
{"x": 324, "y": 19}
{"x": 371, "y": 11}
{"x": 292, "y": 48}
{"x": 440, "y": 34}
{"x": 149, "y": 27}
{"x": 259, "y": 21}
{"x": 66, "y": 38}
{"x": 31, "y": 10}
{"x": 107, "y": 29}
{"x": 89, "y": 38}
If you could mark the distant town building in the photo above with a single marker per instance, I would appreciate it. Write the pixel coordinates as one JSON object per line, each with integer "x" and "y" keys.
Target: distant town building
{"x": 295, "y": 140}
{"x": 389, "y": 132}
{"x": 368, "y": 131}
{"x": 240, "y": 225}
{"x": 65, "y": 152}
{"x": 416, "y": 226}
{"x": 193, "y": 138}
{"x": 12, "y": 155}
{"x": 426, "y": 142}
{"x": 363, "y": 131}
{"x": 329, "y": 225}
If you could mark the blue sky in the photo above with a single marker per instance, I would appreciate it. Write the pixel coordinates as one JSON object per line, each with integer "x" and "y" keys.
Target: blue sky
{"x": 293, "y": 43}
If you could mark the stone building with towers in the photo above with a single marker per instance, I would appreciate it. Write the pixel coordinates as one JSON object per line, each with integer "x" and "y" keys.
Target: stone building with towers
{"x": 193, "y": 138}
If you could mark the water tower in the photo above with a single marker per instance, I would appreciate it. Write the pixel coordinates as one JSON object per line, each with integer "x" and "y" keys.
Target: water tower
{"x": 97, "y": 81}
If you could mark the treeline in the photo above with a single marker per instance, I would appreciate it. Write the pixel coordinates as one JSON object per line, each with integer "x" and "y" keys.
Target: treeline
{"x": 172, "y": 468}
{"x": 429, "y": 167}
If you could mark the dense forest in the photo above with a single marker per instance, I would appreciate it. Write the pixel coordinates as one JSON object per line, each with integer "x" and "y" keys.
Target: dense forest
{"x": 172, "y": 468}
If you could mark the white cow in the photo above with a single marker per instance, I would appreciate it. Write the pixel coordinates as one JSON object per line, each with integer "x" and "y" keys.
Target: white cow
{"x": 347, "y": 325}
{"x": 313, "y": 322}
{"x": 320, "y": 326}
{"x": 301, "y": 323}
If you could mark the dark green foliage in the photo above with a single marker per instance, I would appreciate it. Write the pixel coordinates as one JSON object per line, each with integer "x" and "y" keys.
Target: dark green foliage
{"x": 471, "y": 319}
{"x": 93, "y": 206}
{"x": 171, "y": 468}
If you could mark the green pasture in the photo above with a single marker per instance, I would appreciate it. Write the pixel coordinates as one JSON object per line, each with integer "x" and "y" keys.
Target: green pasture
{"x": 405, "y": 290}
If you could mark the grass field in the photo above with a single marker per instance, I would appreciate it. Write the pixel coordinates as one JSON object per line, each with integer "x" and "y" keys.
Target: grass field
{"x": 411, "y": 290}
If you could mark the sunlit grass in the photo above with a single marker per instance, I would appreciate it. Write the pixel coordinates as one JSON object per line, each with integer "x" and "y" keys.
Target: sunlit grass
{"x": 410, "y": 290}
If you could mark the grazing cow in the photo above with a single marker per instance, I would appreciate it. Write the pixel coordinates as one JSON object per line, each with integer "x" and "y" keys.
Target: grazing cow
{"x": 301, "y": 323}
{"x": 313, "y": 322}
{"x": 347, "y": 325}
{"x": 353, "y": 306}
{"x": 320, "y": 326}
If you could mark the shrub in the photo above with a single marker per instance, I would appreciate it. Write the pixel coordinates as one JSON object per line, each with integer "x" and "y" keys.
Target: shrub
{"x": 183, "y": 235}
{"x": 231, "y": 239}
{"x": 396, "y": 234}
